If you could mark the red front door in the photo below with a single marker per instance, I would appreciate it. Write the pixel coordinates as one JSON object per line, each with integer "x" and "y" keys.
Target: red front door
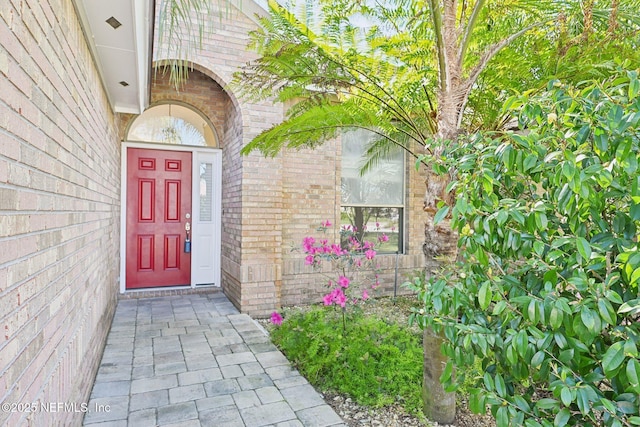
{"x": 158, "y": 209}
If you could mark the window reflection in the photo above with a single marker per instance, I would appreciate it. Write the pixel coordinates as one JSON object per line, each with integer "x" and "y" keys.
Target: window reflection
{"x": 206, "y": 191}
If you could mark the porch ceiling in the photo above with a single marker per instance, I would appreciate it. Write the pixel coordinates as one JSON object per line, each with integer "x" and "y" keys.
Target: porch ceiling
{"x": 122, "y": 52}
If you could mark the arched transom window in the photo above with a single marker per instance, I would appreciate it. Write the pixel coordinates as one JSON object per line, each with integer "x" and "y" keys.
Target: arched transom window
{"x": 172, "y": 124}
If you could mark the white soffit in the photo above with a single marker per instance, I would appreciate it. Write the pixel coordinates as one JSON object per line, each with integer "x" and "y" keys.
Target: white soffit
{"x": 123, "y": 53}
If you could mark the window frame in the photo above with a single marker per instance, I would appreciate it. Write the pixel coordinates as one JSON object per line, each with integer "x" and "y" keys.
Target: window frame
{"x": 402, "y": 215}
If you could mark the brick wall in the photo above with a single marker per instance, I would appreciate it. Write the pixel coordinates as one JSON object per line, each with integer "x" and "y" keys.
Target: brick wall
{"x": 268, "y": 204}
{"x": 251, "y": 185}
{"x": 59, "y": 210}
{"x": 316, "y": 197}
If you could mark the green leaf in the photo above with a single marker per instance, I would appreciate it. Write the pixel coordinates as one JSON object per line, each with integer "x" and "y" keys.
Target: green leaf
{"x": 635, "y": 421}
{"x": 562, "y": 418}
{"x": 582, "y": 134}
{"x": 613, "y": 358}
{"x": 588, "y": 318}
{"x": 555, "y": 318}
{"x": 501, "y": 388}
{"x": 565, "y": 396}
{"x": 488, "y": 382}
{"x": 547, "y": 403}
{"x": 502, "y": 417}
{"x": 635, "y": 277}
{"x": 582, "y": 396}
{"x": 608, "y": 405}
{"x": 522, "y": 341}
{"x": 541, "y": 221}
{"x": 627, "y": 407}
{"x": 499, "y": 308}
{"x": 584, "y": 249}
{"x": 517, "y": 216}
{"x": 484, "y": 295}
{"x": 607, "y": 312}
{"x": 537, "y": 359}
{"x": 632, "y": 306}
{"x": 633, "y": 372}
{"x": 530, "y": 162}
{"x": 634, "y": 88}
{"x": 477, "y": 401}
{"x": 532, "y": 311}
{"x": 441, "y": 214}
{"x": 447, "y": 372}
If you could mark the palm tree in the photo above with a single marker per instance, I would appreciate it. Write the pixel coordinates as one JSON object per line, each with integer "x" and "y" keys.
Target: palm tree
{"x": 418, "y": 74}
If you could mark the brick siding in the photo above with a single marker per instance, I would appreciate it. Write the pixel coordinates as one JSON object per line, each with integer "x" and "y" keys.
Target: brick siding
{"x": 270, "y": 204}
{"x": 59, "y": 211}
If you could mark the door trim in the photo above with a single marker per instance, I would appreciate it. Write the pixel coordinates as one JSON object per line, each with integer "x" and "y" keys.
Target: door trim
{"x": 195, "y": 199}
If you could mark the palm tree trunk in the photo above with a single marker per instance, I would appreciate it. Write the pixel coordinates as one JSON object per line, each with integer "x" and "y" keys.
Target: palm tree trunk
{"x": 439, "y": 406}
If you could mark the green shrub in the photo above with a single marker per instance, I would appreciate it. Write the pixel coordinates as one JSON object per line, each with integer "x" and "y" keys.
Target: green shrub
{"x": 546, "y": 294}
{"x": 375, "y": 362}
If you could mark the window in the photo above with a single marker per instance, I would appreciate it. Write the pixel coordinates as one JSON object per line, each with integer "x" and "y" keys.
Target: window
{"x": 172, "y": 124}
{"x": 373, "y": 202}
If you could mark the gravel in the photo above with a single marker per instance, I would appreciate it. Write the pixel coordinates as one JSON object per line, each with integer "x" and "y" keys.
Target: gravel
{"x": 355, "y": 415}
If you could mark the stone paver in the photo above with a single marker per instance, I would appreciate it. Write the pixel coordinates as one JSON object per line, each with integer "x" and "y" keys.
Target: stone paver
{"x": 194, "y": 360}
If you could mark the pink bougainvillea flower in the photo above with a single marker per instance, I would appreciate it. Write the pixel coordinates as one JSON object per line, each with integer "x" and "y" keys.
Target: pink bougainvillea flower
{"x": 276, "y": 318}
{"x": 370, "y": 254}
{"x": 343, "y": 281}
{"x": 309, "y": 260}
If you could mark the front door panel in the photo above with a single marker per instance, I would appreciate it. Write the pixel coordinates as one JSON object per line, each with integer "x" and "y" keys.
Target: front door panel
{"x": 158, "y": 209}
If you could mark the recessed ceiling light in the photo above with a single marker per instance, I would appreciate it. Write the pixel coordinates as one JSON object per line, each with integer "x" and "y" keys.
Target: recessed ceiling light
{"x": 113, "y": 22}
{"x": 123, "y": 83}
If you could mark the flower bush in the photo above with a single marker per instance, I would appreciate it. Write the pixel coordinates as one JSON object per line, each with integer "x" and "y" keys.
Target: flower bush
{"x": 355, "y": 271}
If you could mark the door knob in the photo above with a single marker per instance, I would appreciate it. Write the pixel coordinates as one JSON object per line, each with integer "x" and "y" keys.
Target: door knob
{"x": 187, "y": 226}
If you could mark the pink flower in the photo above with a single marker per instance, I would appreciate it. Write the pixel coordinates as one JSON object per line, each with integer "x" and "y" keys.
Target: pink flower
{"x": 383, "y": 238}
{"x": 307, "y": 243}
{"x": 341, "y": 299}
{"x": 328, "y": 299}
{"x": 367, "y": 245}
{"x": 370, "y": 254}
{"x": 276, "y": 318}
{"x": 343, "y": 282}
{"x": 309, "y": 259}
{"x": 365, "y": 295}
{"x": 326, "y": 224}
{"x": 377, "y": 225}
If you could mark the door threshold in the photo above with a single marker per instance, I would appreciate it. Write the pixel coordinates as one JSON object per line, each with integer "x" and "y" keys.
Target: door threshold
{"x": 167, "y": 291}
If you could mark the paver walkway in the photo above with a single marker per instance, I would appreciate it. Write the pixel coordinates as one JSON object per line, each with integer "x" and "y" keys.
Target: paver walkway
{"x": 194, "y": 360}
